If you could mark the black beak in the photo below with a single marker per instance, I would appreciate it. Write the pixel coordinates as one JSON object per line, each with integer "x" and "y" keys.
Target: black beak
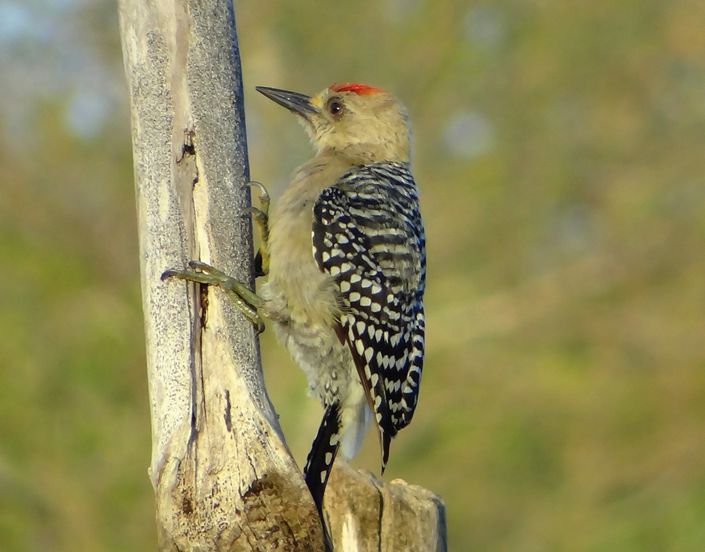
{"x": 293, "y": 101}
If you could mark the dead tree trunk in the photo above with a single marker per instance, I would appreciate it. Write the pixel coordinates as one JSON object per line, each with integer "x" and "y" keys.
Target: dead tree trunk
{"x": 222, "y": 474}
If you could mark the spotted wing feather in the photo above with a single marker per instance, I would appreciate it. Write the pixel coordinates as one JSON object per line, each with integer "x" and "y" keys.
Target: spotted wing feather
{"x": 368, "y": 235}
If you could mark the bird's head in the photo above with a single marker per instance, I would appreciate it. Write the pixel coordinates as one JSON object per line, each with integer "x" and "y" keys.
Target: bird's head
{"x": 358, "y": 120}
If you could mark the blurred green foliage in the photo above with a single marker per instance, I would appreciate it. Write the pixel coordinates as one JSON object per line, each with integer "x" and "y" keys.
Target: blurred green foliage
{"x": 559, "y": 148}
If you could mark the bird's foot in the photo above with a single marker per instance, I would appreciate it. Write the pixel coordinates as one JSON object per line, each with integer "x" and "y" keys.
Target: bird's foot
{"x": 246, "y": 300}
{"x": 261, "y": 218}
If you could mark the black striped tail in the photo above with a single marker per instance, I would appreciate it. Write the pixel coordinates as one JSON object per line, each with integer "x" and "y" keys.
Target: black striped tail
{"x": 320, "y": 462}
{"x": 323, "y": 451}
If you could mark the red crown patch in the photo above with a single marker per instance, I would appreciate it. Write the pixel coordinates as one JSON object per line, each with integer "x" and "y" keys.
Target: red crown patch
{"x": 355, "y": 87}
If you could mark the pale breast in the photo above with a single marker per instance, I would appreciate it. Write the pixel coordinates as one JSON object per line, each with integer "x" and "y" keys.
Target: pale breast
{"x": 296, "y": 288}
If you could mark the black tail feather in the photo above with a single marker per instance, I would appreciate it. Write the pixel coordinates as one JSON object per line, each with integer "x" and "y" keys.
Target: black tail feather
{"x": 323, "y": 451}
{"x": 320, "y": 461}
{"x": 386, "y": 441}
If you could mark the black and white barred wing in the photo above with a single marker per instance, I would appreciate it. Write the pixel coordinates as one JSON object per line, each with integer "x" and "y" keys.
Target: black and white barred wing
{"x": 368, "y": 235}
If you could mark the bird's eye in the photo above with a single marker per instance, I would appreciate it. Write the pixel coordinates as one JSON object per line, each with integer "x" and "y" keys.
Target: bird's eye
{"x": 335, "y": 107}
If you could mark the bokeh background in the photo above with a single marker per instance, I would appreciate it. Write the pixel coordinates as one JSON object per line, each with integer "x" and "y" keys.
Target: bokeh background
{"x": 560, "y": 150}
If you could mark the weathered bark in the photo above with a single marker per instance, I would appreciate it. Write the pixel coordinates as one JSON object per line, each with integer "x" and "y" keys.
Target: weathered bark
{"x": 222, "y": 474}
{"x": 364, "y": 513}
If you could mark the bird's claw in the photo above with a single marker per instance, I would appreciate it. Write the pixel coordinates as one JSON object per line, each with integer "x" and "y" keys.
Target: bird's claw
{"x": 263, "y": 194}
{"x": 244, "y": 299}
{"x": 259, "y": 215}
{"x": 261, "y": 218}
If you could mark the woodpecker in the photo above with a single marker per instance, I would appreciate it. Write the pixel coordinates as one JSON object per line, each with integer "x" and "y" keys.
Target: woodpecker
{"x": 345, "y": 255}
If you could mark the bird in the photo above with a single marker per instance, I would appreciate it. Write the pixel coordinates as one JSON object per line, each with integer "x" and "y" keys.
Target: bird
{"x": 344, "y": 252}
{"x": 344, "y": 255}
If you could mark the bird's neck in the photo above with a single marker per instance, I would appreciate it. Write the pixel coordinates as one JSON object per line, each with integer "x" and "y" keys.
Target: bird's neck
{"x": 363, "y": 154}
